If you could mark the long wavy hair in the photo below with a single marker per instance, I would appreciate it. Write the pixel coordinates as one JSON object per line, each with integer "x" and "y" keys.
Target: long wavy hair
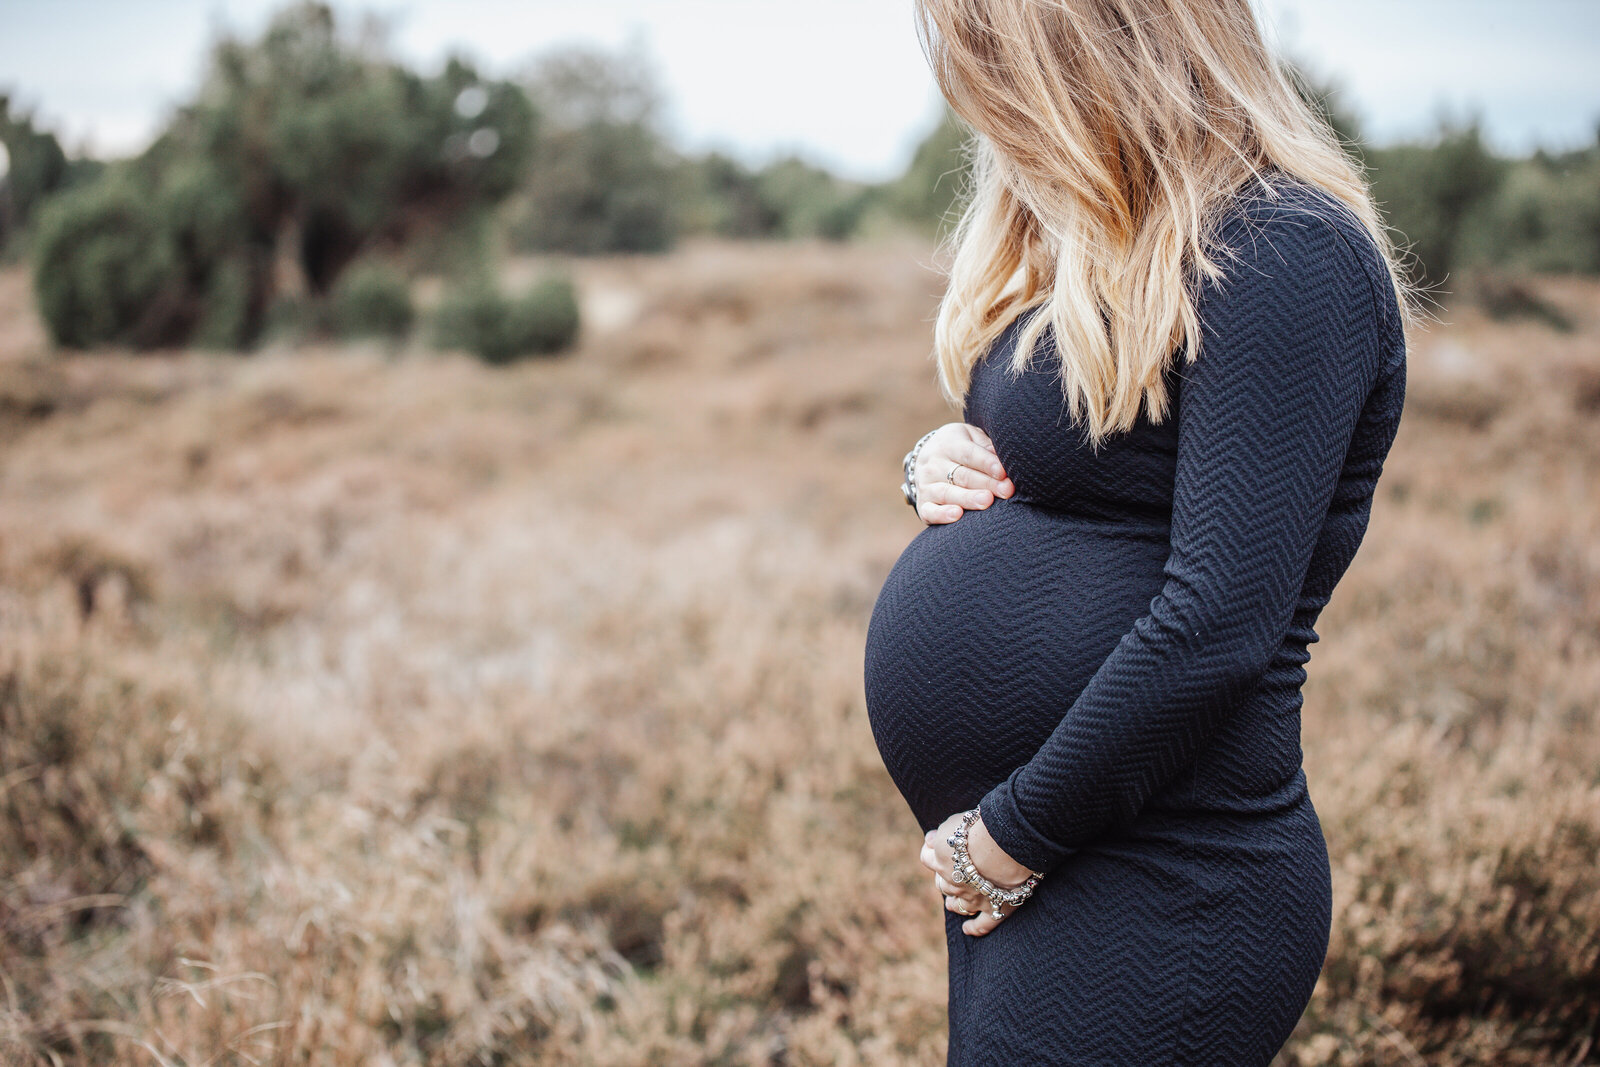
{"x": 1110, "y": 137}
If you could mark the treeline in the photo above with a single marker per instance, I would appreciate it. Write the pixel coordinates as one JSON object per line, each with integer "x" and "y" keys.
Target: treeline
{"x": 313, "y": 175}
{"x": 1463, "y": 210}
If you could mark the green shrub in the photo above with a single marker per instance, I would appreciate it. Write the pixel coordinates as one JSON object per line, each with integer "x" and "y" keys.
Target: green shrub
{"x": 302, "y": 148}
{"x": 228, "y": 312}
{"x": 808, "y": 201}
{"x": 292, "y": 319}
{"x": 1544, "y": 217}
{"x": 147, "y": 260}
{"x": 479, "y": 319}
{"x": 372, "y": 300}
{"x": 1436, "y": 194}
{"x": 334, "y": 144}
{"x": 470, "y": 318}
{"x": 841, "y": 220}
{"x": 544, "y": 320}
{"x": 720, "y": 195}
{"x": 929, "y": 194}
{"x": 602, "y": 188}
{"x": 602, "y": 178}
{"x": 32, "y": 166}
{"x": 106, "y": 271}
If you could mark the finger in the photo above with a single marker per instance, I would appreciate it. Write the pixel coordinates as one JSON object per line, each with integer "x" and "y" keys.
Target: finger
{"x": 974, "y": 478}
{"x": 930, "y": 858}
{"x": 984, "y": 923}
{"x": 936, "y": 459}
{"x": 980, "y": 437}
{"x": 970, "y": 898}
{"x": 970, "y": 477}
{"x": 979, "y": 458}
{"x": 959, "y": 906}
{"x": 947, "y": 493}
{"x": 937, "y": 514}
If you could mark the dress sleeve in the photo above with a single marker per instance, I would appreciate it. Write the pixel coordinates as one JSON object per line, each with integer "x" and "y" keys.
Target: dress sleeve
{"x": 1266, "y": 415}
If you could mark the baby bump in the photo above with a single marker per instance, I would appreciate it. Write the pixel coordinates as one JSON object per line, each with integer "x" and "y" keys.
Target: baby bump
{"x": 984, "y": 633}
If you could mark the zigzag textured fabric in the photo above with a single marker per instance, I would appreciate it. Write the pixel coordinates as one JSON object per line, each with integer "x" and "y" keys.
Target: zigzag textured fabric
{"x": 1110, "y": 664}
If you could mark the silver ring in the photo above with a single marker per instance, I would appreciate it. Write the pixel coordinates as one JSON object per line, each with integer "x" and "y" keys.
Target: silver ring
{"x": 952, "y": 478}
{"x": 960, "y": 908}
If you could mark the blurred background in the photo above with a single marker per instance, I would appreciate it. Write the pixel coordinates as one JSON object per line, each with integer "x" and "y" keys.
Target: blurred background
{"x": 448, "y": 455}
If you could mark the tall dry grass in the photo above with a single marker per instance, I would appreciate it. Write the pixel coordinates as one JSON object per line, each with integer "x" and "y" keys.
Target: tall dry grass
{"x": 372, "y": 710}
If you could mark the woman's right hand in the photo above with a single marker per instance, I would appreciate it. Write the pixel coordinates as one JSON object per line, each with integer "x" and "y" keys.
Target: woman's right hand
{"x": 979, "y": 475}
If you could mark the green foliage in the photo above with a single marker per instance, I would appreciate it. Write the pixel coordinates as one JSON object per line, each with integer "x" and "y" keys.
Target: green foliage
{"x": 602, "y": 178}
{"x": 545, "y": 318}
{"x": 221, "y": 269}
{"x": 333, "y": 147}
{"x": 478, "y": 318}
{"x": 105, "y": 271}
{"x": 372, "y": 299}
{"x": 787, "y": 198}
{"x": 149, "y": 258}
{"x": 230, "y": 306}
{"x": 32, "y": 165}
{"x": 807, "y": 201}
{"x": 604, "y": 188}
{"x": 721, "y": 196}
{"x": 929, "y": 193}
{"x": 1436, "y": 193}
{"x": 1545, "y": 216}
{"x": 303, "y": 148}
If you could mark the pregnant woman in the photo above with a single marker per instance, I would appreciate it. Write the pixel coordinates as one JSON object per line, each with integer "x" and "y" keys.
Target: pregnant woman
{"x": 1175, "y": 324}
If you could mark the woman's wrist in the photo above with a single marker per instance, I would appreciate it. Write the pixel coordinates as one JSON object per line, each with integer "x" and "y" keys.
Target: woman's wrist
{"x": 991, "y": 860}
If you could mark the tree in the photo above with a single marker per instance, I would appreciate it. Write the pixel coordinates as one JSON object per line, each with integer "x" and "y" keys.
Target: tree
{"x": 32, "y": 166}
{"x": 602, "y": 177}
{"x": 302, "y": 151}
{"x": 334, "y": 147}
{"x": 929, "y": 193}
{"x": 1435, "y": 192}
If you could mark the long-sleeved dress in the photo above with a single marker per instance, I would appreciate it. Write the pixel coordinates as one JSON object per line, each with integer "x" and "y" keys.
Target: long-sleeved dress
{"x": 1110, "y": 664}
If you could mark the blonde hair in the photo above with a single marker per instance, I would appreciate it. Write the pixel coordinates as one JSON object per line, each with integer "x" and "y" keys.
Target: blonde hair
{"x": 1111, "y": 135}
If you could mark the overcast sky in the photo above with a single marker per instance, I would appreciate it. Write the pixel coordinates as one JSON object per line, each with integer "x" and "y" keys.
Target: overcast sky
{"x": 843, "y": 82}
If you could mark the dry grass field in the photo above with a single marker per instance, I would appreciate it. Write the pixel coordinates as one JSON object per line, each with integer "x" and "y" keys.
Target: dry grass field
{"x": 371, "y": 707}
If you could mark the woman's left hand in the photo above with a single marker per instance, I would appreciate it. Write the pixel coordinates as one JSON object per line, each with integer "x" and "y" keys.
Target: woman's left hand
{"x": 990, "y": 860}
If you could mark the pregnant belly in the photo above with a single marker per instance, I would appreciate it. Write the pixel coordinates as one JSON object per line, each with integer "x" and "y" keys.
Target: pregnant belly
{"x": 984, "y": 633}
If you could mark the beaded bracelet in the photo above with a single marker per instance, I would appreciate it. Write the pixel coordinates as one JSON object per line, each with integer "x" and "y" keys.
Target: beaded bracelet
{"x": 966, "y": 872}
{"x": 909, "y": 486}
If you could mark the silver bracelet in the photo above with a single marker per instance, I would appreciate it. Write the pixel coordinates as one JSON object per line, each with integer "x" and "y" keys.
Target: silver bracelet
{"x": 909, "y": 486}
{"x": 966, "y": 872}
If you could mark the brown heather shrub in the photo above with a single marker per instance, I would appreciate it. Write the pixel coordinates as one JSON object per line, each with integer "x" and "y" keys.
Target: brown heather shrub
{"x": 434, "y": 714}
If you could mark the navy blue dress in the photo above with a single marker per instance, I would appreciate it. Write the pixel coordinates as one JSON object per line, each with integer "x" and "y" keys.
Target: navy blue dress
{"x": 1110, "y": 664}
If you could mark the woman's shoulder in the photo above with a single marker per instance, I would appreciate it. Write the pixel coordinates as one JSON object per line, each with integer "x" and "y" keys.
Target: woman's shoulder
{"x": 1291, "y": 236}
{"x": 1277, "y": 194}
